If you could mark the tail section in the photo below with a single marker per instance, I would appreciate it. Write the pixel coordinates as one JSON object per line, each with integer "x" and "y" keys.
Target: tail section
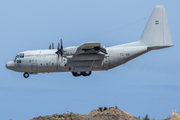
{"x": 157, "y": 33}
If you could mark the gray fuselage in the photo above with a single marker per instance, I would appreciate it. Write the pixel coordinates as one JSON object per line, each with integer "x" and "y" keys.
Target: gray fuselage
{"x": 42, "y": 61}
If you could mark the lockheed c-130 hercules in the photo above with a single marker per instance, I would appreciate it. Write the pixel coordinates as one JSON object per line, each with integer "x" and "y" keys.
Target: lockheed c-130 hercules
{"x": 81, "y": 60}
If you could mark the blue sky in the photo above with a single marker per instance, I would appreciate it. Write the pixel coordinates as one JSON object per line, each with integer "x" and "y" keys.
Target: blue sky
{"x": 149, "y": 84}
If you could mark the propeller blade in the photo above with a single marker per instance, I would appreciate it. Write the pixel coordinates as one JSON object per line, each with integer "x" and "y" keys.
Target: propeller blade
{"x": 61, "y": 45}
{"x": 58, "y": 46}
{"x": 58, "y": 56}
{"x": 50, "y": 46}
{"x": 61, "y": 50}
{"x": 61, "y": 58}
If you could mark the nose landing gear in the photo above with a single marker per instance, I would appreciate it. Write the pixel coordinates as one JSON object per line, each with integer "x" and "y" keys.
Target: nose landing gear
{"x": 26, "y": 74}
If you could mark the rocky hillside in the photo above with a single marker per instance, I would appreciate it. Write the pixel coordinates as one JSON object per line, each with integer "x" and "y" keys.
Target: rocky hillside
{"x": 171, "y": 118}
{"x": 175, "y": 116}
{"x": 100, "y": 114}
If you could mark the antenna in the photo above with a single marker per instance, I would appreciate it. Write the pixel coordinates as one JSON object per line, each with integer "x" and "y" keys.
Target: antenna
{"x": 67, "y": 111}
{"x": 115, "y": 105}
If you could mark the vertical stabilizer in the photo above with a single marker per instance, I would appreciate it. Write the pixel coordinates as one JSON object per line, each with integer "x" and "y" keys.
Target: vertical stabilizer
{"x": 157, "y": 33}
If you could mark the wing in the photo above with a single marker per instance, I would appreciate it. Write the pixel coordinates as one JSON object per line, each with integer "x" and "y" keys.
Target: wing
{"x": 85, "y": 52}
{"x": 92, "y": 48}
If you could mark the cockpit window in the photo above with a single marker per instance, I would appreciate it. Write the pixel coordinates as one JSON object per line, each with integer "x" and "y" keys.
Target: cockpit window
{"x": 21, "y": 55}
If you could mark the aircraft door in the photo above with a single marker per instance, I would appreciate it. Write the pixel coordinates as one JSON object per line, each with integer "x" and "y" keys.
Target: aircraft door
{"x": 106, "y": 62}
{"x": 34, "y": 66}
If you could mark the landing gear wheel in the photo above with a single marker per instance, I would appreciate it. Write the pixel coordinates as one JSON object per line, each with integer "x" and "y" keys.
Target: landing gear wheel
{"x": 86, "y": 73}
{"x": 76, "y": 74}
{"x": 26, "y": 75}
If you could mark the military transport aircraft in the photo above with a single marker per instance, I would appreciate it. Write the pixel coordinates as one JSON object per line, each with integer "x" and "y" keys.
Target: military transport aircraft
{"x": 81, "y": 60}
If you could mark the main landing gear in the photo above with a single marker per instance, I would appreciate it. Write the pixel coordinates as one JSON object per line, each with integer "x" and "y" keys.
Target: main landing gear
{"x": 76, "y": 74}
{"x": 26, "y": 74}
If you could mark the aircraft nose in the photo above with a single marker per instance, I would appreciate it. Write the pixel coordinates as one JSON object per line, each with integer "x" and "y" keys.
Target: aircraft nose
{"x": 10, "y": 65}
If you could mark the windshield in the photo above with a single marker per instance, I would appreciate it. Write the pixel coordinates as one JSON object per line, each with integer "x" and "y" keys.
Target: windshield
{"x": 21, "y": 55}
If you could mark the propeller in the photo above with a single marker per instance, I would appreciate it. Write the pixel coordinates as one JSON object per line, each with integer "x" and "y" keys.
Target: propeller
{"x": 52, "y": 46}
{"x": 60, "y": 50}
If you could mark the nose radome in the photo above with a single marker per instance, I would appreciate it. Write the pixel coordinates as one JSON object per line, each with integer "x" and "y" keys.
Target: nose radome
{"x": 10, "y": 65}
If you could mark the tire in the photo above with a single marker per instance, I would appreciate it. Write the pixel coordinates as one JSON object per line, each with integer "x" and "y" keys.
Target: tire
{"x": 75, "y": 74}
{"x": 86, "y": 73}
{"x": 26, "y": 74}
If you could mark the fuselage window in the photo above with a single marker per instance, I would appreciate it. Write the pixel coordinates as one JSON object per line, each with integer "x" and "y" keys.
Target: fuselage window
{"x": 46, "y": 63}
{"x": 18, "y": 61}
{"x": 29, "y": 61}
